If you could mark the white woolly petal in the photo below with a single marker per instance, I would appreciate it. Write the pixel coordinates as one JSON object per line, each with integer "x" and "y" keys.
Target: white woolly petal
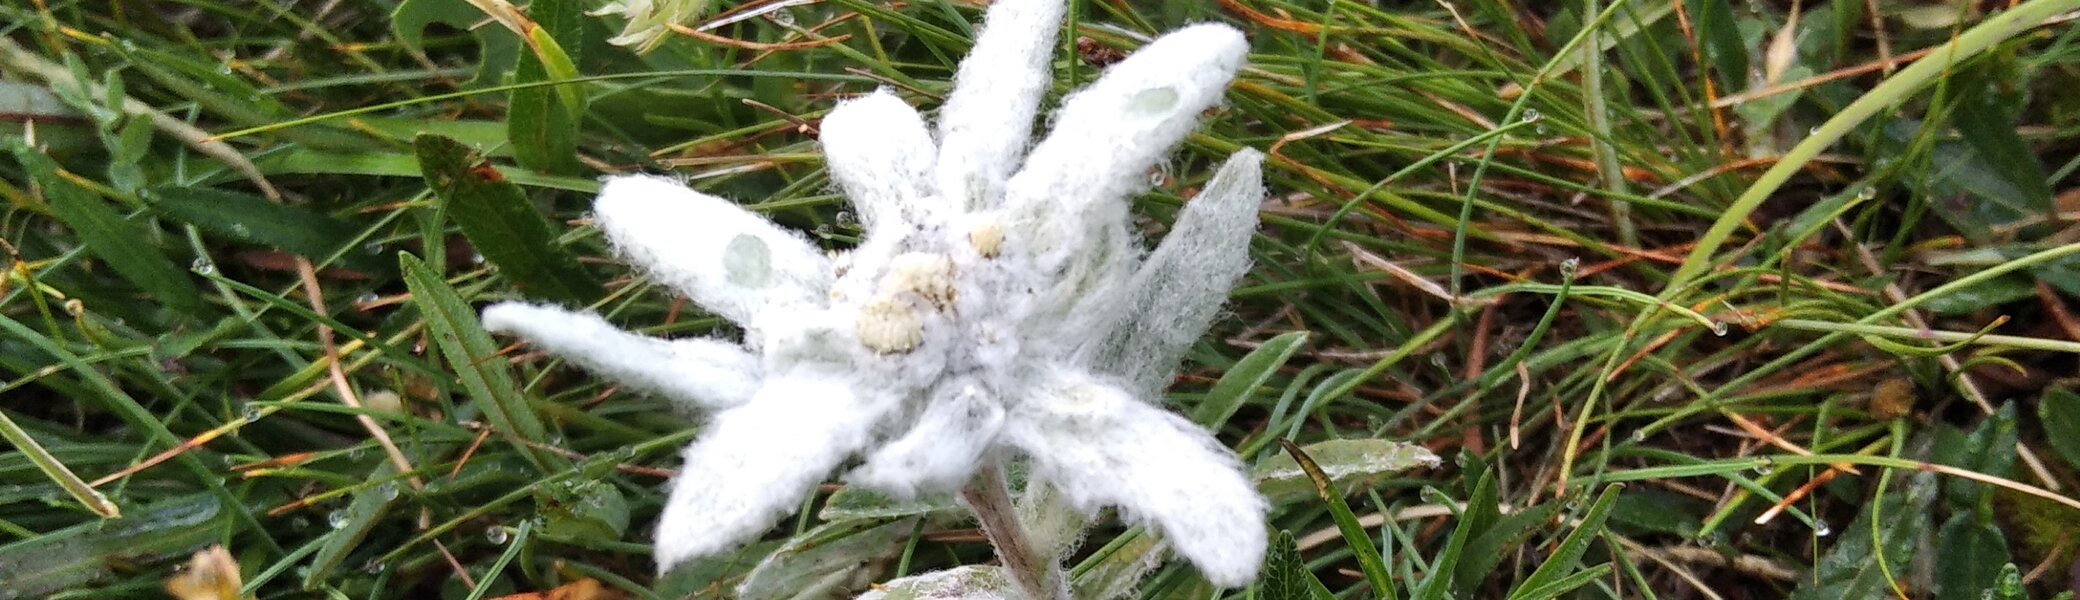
{"x": 726, "y": 259}
{"x": 754, "y": 463}
{"x": 701, "y": 374}
{"x": 986, "y": 121}
{"x": 1099, "y": 447}
{"x": 941, "y": 450}
{"x": 1179, "y": 289}
{"x": 880, "y": 152}
{"x": 1107, "y": 136}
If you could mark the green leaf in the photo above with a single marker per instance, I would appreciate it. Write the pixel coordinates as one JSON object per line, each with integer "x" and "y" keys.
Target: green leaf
{"x": 542, "y": 122}
{"x": 1349, "y": 464}
{"x": 1370, "y": 561}
{"x": 1285, "y": 573}
{"x": 972, "y": 582}
{"x": 1241, "y": 382}
{"x": 585, "y": 509}
{"x": 1553, "y": 589}
{"x": 256, "y": 220}
{"x": 1552, "y": 577}
{"x": 1990, "y": 294}
{"x": 496, "y": 45}
{"x": 2059, "y": 411}
{"x": 824, "y": 560}
{"x": 1720, "y": 36}
{"x": 475, "y": 359}
{"x": 1491, "y": 544}
{"x": 1116, "y": 569}
{"x": 87, "y": 552}
{"x": 503, "y": 225}
{"x": 854, "y": 502}
{"x": 2008, "y": 585}
{"x": 1975, "y": 552}
{"x": 1986, "y": 115}
{"x": 1471, "y": 522}
{"x": 352, "y": 525}
{"x": 125, "y": 245}
{"x": 1851, "y": 570}
{"x": 1990, "y": 450}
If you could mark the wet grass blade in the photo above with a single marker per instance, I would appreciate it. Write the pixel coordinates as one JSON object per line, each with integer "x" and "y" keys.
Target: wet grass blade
{"x": 470, "y": 351}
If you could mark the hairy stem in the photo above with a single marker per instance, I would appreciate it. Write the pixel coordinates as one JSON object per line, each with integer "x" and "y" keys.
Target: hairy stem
{"x": 1032, "y": 567}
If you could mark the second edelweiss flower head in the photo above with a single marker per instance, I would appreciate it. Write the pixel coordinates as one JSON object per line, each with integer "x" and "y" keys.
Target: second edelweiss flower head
{"x": 999, "y": 307}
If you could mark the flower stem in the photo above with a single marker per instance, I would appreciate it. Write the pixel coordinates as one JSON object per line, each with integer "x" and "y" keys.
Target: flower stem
{"x": 989, "y": 496}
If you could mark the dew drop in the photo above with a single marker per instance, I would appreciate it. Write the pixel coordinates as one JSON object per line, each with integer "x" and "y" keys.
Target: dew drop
{"x": 1868, "y": 192}
{"x": 1814, "y": 130}
{"x": 823, "y": 231}
{"x": 387, "y": 491}
{"x": 1541, "y": 129}
{"x": 372, "y": 567}
{"x": 496, "y": 535}
{"x": 372, "y": 248}
{"x": 1152, "y": 102}
{"x": 1569, "y": 266}
{"x": 368, "y": 298}
{"x": 1765, "y": 466}
{"x": 476, "y": 259}
{"x": 1639, "y": 436}
{"x": 251, "y": 413}
{"x": 337, "y": 519}
{"x": 747, "y": 262}
{"x": 845, "y": 218}
{"x": 783, "y": 18}
{"x": 1820, "y": 529}
{"x": 203, "y": 266}
{"x": 1531, "y": 115}
{"x": 1719, "y": 328}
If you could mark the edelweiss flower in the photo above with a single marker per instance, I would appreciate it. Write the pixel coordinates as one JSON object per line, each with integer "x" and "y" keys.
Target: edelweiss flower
{"x": 997, "y": 307}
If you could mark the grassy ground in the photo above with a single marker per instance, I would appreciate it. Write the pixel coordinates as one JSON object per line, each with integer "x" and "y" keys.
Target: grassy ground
{"x": 1702, "y": 299}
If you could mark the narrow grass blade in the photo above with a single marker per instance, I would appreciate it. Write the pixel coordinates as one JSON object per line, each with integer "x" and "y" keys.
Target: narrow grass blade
{"x": 1369, "y": 559}
{"x": 57, "y": 471}
{"x": 1545, "y": 582}
{"x": 1241, "y": 382}
{"x": 1939, "y": 62}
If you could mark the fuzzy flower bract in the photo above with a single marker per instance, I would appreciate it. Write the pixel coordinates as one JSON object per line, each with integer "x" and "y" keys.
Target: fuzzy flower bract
{"x": 999, "y": 307}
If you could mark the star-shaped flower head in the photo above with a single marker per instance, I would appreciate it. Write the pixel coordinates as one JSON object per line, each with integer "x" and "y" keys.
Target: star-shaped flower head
{"x": 998, "y": 306}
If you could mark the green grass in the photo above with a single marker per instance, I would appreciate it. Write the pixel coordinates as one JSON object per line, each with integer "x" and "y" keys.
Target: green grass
{"x": 1643, "y": 273}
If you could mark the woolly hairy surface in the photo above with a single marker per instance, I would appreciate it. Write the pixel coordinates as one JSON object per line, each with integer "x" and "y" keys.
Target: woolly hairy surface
{"x": 754, "y": 463}
{"x": 710, "y": 249}
{"x": 1179, "y": 289}
{"x": 965, "y": 323}
{"x": 958, "y": 426}
{"x": 699, "y": 374}
{"x": 1100, "y": 447}
{"x": 1068, "y": 205}
{"x": 988, "y": 117}
{"x": 881, "y": 154}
